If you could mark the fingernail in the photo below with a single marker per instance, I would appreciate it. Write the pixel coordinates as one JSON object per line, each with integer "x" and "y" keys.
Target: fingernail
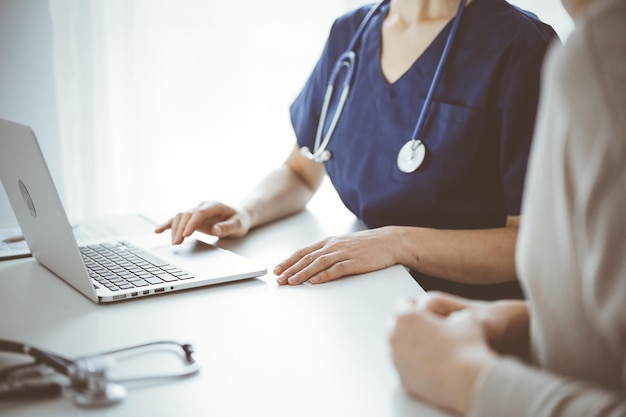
{"x": 293, "y": 280}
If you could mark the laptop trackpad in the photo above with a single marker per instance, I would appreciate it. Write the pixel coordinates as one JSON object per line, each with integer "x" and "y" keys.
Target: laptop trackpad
{"x": 200, "y": 258}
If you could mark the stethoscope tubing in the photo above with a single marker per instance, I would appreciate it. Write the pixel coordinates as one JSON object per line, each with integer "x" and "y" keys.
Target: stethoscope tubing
{"x": 348, "y": 60}
{"x": 73, "y": 368}
{"x": 58, "y": 363}
{"x": 190, "y": 357}
{"x": 437, "y": 76}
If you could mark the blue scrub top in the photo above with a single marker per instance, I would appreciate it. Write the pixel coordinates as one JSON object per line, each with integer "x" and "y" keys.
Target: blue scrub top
{"x": 477, "y": 134}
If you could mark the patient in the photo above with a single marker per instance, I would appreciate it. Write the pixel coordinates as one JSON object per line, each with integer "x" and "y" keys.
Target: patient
{"x": 562, "y": 352}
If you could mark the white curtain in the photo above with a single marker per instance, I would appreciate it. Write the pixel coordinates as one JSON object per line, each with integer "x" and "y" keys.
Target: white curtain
{"x": 163, "y": 103}
{"x": 166, "y": 102}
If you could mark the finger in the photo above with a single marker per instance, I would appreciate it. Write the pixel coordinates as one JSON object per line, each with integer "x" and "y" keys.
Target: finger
{"x": 442, "y": 303}
{"x": 335, "y": 271}
{"x": 163, "y": 227}
{"x": 178, "y": 225}
{"x": 405, "y": 305}
{"x": 203, "y": 222}
{"x": 316, "y": 265}
{"x": 410, "y": 325}
{"x": 208, "y": 217}
{"x": 282, "y": 268}
{"x": 198, "y": 220}
{"x": 230, "y": 227}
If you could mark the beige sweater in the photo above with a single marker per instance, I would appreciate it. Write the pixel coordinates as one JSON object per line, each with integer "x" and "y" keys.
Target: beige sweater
{"x": 572, "y": 246}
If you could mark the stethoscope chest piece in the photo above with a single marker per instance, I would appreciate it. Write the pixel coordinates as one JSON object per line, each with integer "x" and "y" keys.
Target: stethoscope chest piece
{"x": 107, "y": 394}
{"x": 411, "y": 156}
{"x": 98, "y": 390}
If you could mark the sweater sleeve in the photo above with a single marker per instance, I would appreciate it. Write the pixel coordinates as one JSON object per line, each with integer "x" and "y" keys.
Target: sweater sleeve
{"x": 511, "y": 388}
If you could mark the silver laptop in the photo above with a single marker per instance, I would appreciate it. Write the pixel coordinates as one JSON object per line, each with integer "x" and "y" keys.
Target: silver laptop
{"x": 102, "y": 271}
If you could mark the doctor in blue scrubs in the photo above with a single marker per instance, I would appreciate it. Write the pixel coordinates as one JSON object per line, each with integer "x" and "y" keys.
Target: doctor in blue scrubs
{"x": 428, "y": 147}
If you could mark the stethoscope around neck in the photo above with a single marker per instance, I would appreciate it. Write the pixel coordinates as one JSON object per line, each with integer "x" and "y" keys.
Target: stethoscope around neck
{"x": 413, "y": 152}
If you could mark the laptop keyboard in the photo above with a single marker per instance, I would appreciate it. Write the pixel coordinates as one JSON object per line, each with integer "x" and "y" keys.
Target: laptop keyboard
{"x": 122, "y": 266}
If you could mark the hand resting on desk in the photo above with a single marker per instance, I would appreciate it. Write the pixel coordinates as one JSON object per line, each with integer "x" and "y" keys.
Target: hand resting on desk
{"x": 441, "y": 343}
{"x": 320, "y": 262}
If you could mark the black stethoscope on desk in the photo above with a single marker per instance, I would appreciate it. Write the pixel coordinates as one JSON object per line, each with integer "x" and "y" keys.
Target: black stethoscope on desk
{"x": 412, "y": 154}
{"x": 86, "y": 379}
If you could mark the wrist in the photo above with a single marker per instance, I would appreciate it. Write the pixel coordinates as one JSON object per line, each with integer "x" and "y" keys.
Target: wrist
{"x": 470, "y": 365}
{"x": 246, "y": 216}
{"x": 513, "y": 338}
{"x": 402, "y": 239}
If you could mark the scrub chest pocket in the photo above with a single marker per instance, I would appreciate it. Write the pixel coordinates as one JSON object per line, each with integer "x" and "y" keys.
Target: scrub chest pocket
{"x": 459, "y": 183}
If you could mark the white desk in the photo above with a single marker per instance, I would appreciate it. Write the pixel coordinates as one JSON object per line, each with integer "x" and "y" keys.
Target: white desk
{"x": 266, "y": 351}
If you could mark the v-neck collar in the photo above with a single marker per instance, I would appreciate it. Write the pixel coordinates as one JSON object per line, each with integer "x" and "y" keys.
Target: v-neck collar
{"x": 432, "y": 52}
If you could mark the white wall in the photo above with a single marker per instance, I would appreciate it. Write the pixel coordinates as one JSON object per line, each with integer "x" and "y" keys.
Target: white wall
{"x": 550, "y": 11}
{"x": 26, "y": 79}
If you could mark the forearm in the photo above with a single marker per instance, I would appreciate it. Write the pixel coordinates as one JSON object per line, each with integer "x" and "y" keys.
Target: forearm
{"x": 279, "y": 194}
{"x": 283, "y": 192}
{"x": 470, "y": 256}
{"x": 508, "y": 387}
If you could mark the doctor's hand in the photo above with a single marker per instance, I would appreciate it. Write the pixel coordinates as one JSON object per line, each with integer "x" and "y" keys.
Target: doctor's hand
{"x": 337, "y": 257}
{"x": 440, "y": 357}
{"x": 211, "y": 217}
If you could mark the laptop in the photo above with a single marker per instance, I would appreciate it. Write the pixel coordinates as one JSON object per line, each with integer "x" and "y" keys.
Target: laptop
{"x": 124, "y": 269}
